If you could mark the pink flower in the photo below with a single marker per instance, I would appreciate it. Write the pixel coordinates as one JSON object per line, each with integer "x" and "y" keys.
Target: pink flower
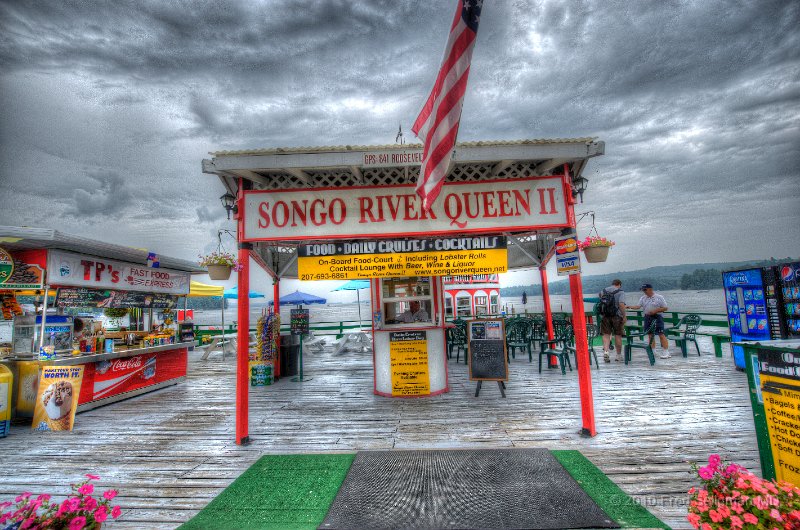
{"x": 705, "y": 473}
{"x": 24, "y": 495}
{"x": 736, "y": 523}
{"x": 92, "y": 477}
{"x": 78, "y": 523}
{"x": 90, "y": 503}
{"x": 101, "y": 514}
{"x": 715, "y": 516}
{"x": 775, "y": 514}
{"x": 116, "y": 512}
{"x": 714, "y": 461}
{"x": 43, "y": 497}
{"x": 731, "y": 469}
{"x": 4, "y": 505}
{"x": 27, "y": 523}
{"x": 750, "y": 518}
{"x": 705, "y": 526}
{"x": 86, "y": 489}
{"x": 110, "y": 494}
{"x": 74, "y": 504}
{"x": 760, "y": 503}
{"x": 693, "y": 519}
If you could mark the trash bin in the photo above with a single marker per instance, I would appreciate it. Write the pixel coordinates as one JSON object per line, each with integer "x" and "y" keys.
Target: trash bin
{"x": 290, "y": 355}
{"x": 6, "y": 385}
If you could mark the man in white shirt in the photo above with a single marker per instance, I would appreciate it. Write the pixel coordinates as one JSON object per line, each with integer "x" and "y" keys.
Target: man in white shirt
{"x": 653, "y": 304}
{"x": 414, "y": 314}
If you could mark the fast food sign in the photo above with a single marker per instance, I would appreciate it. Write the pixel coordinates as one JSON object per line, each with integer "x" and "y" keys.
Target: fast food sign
{"x": 568, "y": 260}
{"x": 6, "y": 266}
{"x": 393, "y": 211}
{"x": 76, "y": 270}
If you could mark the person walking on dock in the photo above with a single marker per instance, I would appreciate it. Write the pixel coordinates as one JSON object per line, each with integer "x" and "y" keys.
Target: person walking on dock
{"x": 652, "y": 305}
{"x": 612, "y": 318}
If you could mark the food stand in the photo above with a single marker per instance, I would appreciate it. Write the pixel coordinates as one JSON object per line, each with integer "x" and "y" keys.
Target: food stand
{"x": 350, "y": 212}
{"x": 71, "y": 273}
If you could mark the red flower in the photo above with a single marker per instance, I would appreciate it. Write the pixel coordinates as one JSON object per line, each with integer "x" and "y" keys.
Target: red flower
{"x": 116, "y": 512}
{"x": 110, "y": 494}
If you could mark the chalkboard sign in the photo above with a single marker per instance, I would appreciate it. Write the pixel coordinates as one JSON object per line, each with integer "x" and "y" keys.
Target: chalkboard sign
{"x": 487, "y": 350}
{"x": 299, "y": 321}
{"x": 83, "y": 297}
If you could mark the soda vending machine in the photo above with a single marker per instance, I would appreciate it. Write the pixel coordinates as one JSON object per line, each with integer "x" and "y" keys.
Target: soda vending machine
{"x": 763, "y": 304}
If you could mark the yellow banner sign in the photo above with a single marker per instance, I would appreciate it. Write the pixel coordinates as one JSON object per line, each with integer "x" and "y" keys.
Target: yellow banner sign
{"x": 394, "y": 258}
{"x": 782, "y": 411}
{"x": 57, "y": 399}
{"x": 409, "y": 353}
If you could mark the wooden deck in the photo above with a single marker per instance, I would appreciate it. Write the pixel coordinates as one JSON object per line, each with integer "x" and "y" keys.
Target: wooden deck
{"x": 171, "y": 451}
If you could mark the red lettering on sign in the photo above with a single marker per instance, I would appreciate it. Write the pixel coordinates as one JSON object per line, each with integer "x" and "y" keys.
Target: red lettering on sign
{"x": 410, "y": 207}
{"x": 488, "y": 205}
{"x": 342, "y": 211}
{"x": 365, "y": 209}
{"x": 524, "y": 202}
{"x": 297, "y": 212}
{"x": 263, "y": 213}
{"x": 321, "y": 218}
{"x": 551, "y": 192}
{"x": 284, "y": 213}
{"x": 87, "y": 269}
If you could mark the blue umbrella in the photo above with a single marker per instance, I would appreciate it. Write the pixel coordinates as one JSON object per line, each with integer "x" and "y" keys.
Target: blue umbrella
{"x": 355, "y": 285}
{"x": 234, "y": 293}
{"x": 298, "y": 298}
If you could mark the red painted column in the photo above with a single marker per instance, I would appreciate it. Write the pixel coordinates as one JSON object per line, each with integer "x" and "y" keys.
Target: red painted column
{"x": 276, "y": 304}
{"x": 243, "y": 332}
{"x": 579, "y": 327}
{"x": 548, "y": 313}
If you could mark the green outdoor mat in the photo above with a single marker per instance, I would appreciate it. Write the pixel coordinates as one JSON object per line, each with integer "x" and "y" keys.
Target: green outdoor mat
{"x": 277, "y": 492}
{"x": 616, "y": 503}
{"x": 295, "y": 492}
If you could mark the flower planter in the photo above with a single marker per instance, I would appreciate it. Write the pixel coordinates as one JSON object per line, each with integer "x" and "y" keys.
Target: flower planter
{"x": 219, "y": 272}
{"x": 596, "y": 254}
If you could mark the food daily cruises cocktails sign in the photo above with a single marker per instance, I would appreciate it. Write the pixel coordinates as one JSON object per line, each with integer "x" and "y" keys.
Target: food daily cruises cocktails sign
{"x": 389, "y": 211}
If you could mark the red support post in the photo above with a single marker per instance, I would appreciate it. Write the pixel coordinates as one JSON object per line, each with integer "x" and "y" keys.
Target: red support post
{"x": 579, "y": 327}
{"x": 276, "y": 305}
{"x": 243, "y": 334}
{"x": 548, "y": 314}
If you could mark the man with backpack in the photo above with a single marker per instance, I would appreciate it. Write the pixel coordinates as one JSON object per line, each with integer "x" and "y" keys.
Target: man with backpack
{"x": 611, "y": 309}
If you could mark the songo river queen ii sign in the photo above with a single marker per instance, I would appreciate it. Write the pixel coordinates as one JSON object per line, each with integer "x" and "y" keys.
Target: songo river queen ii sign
{"x": 387, "y": 211}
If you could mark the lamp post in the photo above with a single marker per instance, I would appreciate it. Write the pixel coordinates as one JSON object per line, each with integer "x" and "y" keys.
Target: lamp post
{"x": 579, "y": 186}
{"x": 229, "y": 203}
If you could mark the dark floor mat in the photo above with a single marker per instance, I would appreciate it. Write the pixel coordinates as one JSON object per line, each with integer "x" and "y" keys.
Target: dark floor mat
{"x": 461, "y": 489}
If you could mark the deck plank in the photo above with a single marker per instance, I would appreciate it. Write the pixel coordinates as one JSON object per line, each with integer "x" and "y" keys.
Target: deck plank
{"x": 170, "y": 452}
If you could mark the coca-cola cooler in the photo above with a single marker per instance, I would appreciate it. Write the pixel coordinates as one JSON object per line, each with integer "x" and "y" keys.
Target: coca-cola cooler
{"x": 763, "y": 304}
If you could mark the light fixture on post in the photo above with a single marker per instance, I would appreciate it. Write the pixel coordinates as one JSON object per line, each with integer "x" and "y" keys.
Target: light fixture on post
{"x": 579, "y": 186}
{"x": 229, "y": 203}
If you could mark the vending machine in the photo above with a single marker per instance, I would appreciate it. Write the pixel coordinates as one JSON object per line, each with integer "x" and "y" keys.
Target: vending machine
{"x": 763, "y": 304}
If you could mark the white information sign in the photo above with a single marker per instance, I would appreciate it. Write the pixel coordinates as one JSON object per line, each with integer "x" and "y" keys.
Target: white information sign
{"x": 390, "y": 211}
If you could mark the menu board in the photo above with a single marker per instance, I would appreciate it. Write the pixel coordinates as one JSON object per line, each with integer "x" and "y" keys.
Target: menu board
{"x": 408, "y": 351}
{"x": 487, "y": 350}
{"x": 779, "y": 375}
{"x": 82, "y": 297}
{"x": 299, "y": 321}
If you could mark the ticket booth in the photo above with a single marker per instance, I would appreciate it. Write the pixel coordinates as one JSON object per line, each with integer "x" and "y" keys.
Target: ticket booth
{"x": 409, "y": 338}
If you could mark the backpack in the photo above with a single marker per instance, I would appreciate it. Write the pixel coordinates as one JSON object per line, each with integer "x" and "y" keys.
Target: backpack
{"x": 606, "y": 307}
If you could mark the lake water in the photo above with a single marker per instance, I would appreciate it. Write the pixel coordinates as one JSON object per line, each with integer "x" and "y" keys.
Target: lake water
{"x": 712, "y": 301}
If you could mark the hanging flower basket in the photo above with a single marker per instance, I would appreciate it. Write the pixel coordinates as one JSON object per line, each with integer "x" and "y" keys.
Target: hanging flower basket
{"x": 219, "y": 272}
{"x": 595, "y": 249}
{"x": 220, "y": 265}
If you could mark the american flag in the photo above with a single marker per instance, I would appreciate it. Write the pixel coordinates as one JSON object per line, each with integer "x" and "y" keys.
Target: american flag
{"x": 437, "y": 123}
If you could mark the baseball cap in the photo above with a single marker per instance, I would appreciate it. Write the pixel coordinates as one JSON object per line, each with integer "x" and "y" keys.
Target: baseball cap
{"x": 646, "y": 286}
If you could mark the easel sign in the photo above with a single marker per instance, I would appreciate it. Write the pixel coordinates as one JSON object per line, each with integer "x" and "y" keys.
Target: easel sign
{"x": 299, "y": 321}
{"x": 488, "y": 360}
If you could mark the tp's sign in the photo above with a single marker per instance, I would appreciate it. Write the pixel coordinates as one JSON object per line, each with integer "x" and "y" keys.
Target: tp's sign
{"x": 77, "y": 270}
{"x": 386, "y": 211}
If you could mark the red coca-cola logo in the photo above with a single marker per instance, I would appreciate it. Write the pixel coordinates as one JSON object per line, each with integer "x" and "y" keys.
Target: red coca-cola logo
{"x": 126, "y": 364}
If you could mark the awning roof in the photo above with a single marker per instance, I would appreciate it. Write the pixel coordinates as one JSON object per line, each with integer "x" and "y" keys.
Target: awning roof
{"x": 26, "y": 238}
{"x": 197, "y": 289}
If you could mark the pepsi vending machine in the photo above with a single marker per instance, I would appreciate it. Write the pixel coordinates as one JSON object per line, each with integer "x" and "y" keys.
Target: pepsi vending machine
{"x": 763, "y": 304}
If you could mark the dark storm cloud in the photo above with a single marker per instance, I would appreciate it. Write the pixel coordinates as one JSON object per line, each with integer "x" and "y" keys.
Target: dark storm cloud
{"x": 697, "y": 102}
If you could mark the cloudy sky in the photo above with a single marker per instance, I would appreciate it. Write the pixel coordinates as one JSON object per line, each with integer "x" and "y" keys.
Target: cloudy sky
{"x": 108, "y": 108}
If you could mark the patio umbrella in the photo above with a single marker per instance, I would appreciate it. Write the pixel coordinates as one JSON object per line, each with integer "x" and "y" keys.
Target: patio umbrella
{"x": 298, "y": 298}
{"x": 233, "y": 293}
{"x": 355, "y": 285}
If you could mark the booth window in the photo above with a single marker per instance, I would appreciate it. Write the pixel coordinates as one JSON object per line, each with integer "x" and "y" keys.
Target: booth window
{"x": 494, "y": 309}
{"x": 407, "y": 300}
{"x": 448, "y": 306}
{"x": 463, "y": 306}
{"x": 481, "y": 305}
